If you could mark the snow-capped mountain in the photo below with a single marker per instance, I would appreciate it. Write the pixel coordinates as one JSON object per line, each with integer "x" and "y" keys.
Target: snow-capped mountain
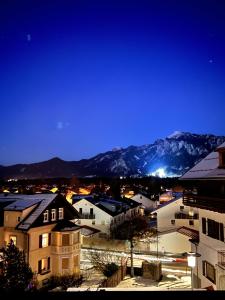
{"x": 171, "y": 156}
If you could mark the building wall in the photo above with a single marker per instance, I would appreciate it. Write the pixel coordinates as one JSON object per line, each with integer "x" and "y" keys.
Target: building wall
{"x": 208, "y": 247}
{"x": 167, "y": 213}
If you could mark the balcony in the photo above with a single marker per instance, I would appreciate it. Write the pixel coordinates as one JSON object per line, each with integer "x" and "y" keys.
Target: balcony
{"x": 204, "y": 202}
{"x": 185, "y": 216}
{"x": 87, "y": 216}
{"x": 65, "y": 249}
{"x": 221, "y": 259}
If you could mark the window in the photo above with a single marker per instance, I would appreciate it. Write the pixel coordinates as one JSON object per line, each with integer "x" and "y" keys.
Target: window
{"x": 13, "y": 238}
{"x": 93, "y": 222}
{"x": 46, "y": 216}
{"x": 44, "y": 240}
{"x": 18, "y": 219}
{"x": 53, "y": 214}
{"x": 208, "y": 271}
{"x": 173, "y": 222}
{"x": 65, "y": 263}
{"x": 140, "y": 197}
{"x": 91, "y": 211}
{"x": 44, "y": 266}
{"x": 61, "y": 213}
{"x": 76, "y": 237}
{"x": 80, "y": 211}
{"x": 191, "y": 222}
{"x": 181, "y": 207}
{"x": 65, "y": 240}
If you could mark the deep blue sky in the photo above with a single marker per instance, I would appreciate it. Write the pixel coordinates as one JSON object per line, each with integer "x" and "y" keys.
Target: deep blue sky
{"x": 82, "y": 77}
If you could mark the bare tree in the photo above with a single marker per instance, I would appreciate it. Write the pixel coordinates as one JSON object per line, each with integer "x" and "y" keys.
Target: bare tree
{"x": 103, "y": 260}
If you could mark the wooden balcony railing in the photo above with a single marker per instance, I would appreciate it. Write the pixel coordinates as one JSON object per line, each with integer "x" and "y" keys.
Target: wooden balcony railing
{"x": 64, "y": 249}
{"x": 87, "y": 216}
{"x": 205, "y": 202}
{"x": 185, "y": 216}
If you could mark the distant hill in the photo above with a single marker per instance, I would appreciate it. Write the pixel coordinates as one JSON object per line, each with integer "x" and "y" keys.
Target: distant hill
{"x": 171, "y": 156}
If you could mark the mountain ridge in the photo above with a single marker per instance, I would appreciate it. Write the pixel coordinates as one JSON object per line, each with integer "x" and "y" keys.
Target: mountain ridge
{"x": 174, "y": 154}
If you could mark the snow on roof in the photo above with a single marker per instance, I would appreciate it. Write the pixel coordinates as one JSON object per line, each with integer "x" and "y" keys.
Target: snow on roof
{"x": 207, "y": 167}
{"x": 45, "y": 200}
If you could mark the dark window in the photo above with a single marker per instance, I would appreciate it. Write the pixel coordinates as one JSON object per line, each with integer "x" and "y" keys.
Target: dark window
{"x": 191, "y": 222}
{"x": 208, "y": 271}
{"x": 181, "y": 207}
{"x": 204, "y": 225}
{"x": 173, "y": 222}
{"x": 91, "y": 211}
{"x": 213, "y": 229}
{"x": 80, "y": 211}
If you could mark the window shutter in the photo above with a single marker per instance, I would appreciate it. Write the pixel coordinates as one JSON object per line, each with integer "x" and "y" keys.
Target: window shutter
{"x": 204, "y": 225}
{"x": 39, "y": 266}
{"x": 203, "y": 267}
{"x": 40, "y": 241}
{"x": 221, "y": 232}
{"x": 49, "y": 263}
{"x": 49, "y": 239}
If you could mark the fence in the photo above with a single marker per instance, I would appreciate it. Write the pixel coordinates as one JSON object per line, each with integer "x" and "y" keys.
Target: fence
{"x": 118, "y": 276}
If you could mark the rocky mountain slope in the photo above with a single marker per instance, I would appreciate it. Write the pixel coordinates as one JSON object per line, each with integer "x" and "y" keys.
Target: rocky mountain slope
{"x": 171, "y": 156}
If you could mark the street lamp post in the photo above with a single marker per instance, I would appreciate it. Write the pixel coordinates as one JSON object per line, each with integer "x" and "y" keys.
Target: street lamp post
{"x": 191, "y": 258}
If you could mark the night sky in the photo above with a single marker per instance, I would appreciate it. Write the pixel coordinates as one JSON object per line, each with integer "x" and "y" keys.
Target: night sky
{"x": 81, "y": 77}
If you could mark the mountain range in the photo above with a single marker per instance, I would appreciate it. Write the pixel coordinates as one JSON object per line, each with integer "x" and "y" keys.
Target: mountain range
{"x": 171, "y": 156}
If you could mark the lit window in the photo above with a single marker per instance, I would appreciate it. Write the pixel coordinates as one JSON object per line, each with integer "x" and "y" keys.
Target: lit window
{"x": 53, "y": 213}
{"x": 61, "y": 214}
{"x": 46, "y": 216}
{"x": 44, "y": 265}
{"x": 13, "y": 238}
{"x": 44, "y": 240}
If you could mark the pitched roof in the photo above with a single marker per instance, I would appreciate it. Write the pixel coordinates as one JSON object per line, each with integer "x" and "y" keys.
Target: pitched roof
{"x": 193, "y": 234}
{"x": 207, "y": 168}
{"x": 87, "y": 230}
{"x": 45, "y": 200}
{"x": 65, "y": 225}
{"x": 111, "y": 206}
{"x": 176, "y": 197}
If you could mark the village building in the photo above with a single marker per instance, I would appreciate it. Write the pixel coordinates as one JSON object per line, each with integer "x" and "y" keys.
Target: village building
{"x": 205, "y": 191}
{"x": 40, "y": 225}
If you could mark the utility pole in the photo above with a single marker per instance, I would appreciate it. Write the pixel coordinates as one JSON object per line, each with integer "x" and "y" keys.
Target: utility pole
{"x": 131, "y": 258}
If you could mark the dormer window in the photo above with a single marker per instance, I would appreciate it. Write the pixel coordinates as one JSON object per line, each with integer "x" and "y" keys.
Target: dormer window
{"x": 61, "y": 213}
{"x": 46, "y": 216}
{"x": 53, "y": 214}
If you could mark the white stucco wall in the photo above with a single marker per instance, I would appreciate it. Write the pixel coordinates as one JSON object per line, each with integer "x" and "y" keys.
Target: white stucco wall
{"x": 167, "y": 213}
{"x": 148, "y": 203}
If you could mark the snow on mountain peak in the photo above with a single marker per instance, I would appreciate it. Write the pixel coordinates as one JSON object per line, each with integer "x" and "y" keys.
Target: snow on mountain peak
{"x": 176, "y": 134}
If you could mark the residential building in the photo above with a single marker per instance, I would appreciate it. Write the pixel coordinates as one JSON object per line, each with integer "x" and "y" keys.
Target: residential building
{"x": 40, "y": 225}
{"x": 148, "y": 203}
{"x": 205, "y": 184}
{"x": 104, "y": 214}
{"x": 174, "y": 214}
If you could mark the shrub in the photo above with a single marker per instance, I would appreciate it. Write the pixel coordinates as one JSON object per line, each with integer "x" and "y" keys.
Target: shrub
{"x": 110, "y": 269}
